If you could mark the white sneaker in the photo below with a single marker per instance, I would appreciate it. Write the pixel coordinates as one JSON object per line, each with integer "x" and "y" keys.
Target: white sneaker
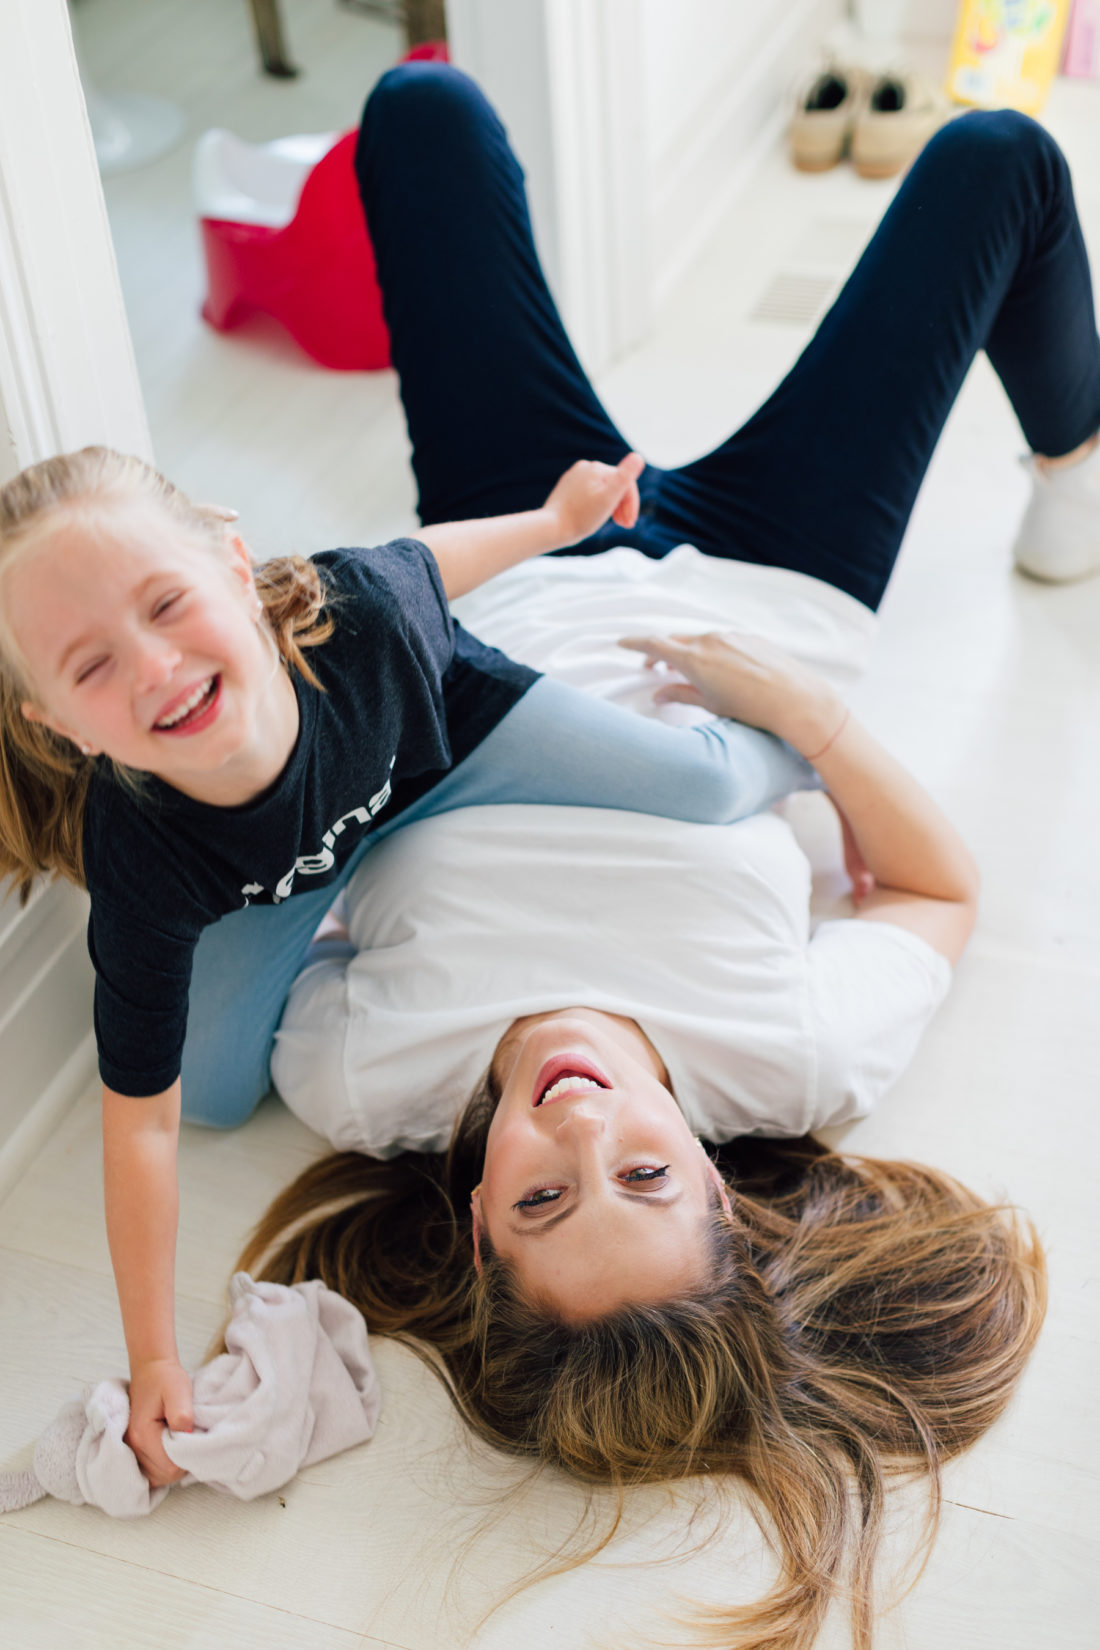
{"x": 1059, "y": 537}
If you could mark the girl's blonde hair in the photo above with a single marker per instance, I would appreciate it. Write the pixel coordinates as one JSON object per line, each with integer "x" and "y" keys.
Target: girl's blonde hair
{"x": 44, "y": 778}
{"x": 861, "y": 1320}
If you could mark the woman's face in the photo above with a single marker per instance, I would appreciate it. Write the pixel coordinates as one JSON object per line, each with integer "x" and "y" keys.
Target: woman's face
{"x": 141, "y": 641}
{"x": 594, "y": 1189}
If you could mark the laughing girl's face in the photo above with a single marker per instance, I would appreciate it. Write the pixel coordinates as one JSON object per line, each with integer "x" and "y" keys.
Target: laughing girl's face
{"x": 594, "y": 1189}
{"x": 141, "y": 643}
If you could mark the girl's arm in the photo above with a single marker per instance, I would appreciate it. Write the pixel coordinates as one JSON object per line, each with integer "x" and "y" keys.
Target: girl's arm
{"x": 926, "y": 880}
{"x": 142, "y": 1201}
{"x": 469, "y": 552}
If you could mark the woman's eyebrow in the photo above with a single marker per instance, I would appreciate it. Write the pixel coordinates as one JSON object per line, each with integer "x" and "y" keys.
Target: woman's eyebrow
{"x": 630, "y": 1197}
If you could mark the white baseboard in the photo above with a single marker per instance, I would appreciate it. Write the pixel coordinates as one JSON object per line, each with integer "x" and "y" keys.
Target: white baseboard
{"x": 46, "y": 1044}
{"x": 38, "y": 1123}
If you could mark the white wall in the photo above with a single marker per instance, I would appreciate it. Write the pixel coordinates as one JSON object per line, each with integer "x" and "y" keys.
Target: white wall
{"x": 637, "y": 122}
{"x": 931, "y": 19}
{"x": 720, "y": 77}
{"x": 688, "y": 50}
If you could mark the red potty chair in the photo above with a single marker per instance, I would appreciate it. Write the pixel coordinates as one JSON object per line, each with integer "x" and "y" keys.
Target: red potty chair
{"x": 283, "y": 233}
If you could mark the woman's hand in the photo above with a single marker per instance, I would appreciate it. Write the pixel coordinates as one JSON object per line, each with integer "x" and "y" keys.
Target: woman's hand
{"x": 160, "y": 1396}
{"x": 749, "y": 680}
{"x": 589, "y": 493}
{"x": 859, "y": 874}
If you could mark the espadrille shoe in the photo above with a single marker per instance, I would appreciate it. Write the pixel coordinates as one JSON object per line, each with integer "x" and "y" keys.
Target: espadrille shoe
{"x": 898, "y": 116}
{"x": 827, "y": 112}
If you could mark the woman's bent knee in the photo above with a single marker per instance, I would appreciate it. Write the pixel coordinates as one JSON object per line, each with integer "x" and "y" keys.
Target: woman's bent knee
{"x": 998, "y": 144}
{"x": 419, "y": 91}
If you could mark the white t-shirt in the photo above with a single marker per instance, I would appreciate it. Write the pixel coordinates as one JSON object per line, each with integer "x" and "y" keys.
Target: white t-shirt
{"x": 701, "y": 933}
{"x": 565, "y": 614}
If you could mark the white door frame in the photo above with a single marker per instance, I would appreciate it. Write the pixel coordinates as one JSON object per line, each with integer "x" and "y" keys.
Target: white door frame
{"x": 67, "y": 371}
{"x": 566, "y": 76}
{"x": 67, "y": 378}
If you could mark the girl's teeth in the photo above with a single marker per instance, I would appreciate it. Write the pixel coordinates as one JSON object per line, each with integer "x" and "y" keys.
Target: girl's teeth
{"x": 188, "y": 705}
{"x": 566, "y": 1085}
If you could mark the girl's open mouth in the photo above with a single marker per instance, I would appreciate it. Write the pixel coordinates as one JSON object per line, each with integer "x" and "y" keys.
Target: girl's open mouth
{"x": 195, "y": 712}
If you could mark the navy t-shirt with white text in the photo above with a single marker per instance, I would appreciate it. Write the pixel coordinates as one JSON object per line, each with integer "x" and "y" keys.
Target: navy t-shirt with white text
{"x": 407, "y": 694}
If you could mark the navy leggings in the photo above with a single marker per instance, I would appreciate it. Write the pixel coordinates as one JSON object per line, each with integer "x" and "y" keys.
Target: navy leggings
{"x": 981, "y": 249}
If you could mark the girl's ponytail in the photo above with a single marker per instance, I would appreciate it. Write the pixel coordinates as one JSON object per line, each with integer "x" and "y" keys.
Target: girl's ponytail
{"x": 43, "y": 788}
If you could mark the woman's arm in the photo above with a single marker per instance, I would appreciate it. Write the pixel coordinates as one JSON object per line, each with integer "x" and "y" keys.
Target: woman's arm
{"x": 142, "y": 1203}
{"x": 469, "y": 552}
{"x": 926, "y": 879}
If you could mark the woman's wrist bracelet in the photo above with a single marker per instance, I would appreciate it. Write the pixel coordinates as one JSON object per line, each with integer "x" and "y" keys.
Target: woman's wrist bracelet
{"x": 831, "y": 741}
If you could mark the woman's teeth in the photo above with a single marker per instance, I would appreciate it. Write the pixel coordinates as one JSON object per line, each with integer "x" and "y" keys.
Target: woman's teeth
{"x": 192, "y": 702}
{"x": 567, "y": 1085}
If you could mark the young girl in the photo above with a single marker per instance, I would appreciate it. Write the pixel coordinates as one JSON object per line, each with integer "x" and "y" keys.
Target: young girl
{"x": 211, "y": 748}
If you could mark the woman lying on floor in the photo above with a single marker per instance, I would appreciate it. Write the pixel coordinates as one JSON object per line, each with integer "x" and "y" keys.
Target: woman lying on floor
{"x": 598, "y": 1290}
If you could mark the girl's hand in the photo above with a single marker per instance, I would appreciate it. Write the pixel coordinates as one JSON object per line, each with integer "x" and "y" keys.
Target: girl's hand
{"x": 589, "y": 493}
{"x": 749, "y": 680}
{"x": 160, "y": 1396}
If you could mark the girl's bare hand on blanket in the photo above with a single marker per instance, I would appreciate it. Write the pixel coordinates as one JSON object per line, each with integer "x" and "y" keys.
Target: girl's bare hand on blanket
{"x": 749, "y": 680}
{"x": 589, "y": 493}
{"x": 160, "y": 1396}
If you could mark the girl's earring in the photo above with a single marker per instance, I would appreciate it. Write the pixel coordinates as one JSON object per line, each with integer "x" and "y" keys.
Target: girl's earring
{"x": 85, "y": 750}
{"x": 257, "y": 611}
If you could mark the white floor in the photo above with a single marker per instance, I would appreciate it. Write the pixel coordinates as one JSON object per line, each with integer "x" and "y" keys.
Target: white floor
{"x": 988, "y": 685}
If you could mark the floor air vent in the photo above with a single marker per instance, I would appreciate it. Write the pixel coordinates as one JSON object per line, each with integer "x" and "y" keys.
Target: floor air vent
{"x": 795, "y": 300}
{"x": 814, "y": 267}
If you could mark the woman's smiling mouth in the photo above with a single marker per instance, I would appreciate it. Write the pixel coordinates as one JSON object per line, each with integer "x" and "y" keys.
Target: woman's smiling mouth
{"x": 566, "y": 1074}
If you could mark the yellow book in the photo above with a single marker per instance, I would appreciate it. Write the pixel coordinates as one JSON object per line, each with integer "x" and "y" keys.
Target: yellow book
{"x": 1006, "y": 52}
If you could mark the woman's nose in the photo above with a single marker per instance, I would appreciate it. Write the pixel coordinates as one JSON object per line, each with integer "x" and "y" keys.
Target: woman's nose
{"x": 583, "y": 1119}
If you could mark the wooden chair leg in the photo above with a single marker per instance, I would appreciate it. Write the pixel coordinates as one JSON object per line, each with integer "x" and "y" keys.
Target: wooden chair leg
{"x": 268, "y": 24}
{"x": 424, "y": 20}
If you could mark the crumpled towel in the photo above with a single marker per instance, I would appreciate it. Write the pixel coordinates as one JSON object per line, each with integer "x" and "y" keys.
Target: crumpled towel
{"x": 295, "y": 1385}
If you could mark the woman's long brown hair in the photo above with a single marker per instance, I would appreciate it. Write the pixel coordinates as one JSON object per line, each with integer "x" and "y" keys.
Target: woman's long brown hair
{"x": 862, "y": 1319}
{"x": 44, "y": 778}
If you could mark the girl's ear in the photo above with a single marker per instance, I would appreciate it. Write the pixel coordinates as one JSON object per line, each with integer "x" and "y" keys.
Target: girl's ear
{"x": 32, "y": 713}
{"x": 240, "y": 562}
{"x": 475, "y": 1211}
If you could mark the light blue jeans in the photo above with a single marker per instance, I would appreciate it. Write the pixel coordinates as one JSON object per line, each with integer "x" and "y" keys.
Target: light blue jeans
{"x": 557, "y": 745}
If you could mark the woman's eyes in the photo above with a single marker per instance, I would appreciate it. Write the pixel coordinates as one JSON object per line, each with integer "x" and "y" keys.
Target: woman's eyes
{"x": 165, "y": 603}
{"x": 645, "y": 1175}
{"x": 88, "y": 670}
{"x": 549, "y": 1194}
